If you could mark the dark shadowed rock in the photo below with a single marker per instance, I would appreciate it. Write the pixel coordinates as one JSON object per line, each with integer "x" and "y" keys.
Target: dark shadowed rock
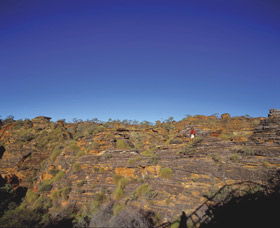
{"x": 129, "y": 217}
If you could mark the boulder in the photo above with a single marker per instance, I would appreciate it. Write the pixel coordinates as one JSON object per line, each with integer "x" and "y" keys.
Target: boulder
{"x": 40, "y": 122}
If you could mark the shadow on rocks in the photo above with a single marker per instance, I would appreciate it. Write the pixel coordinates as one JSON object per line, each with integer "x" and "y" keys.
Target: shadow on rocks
{"x": 260, "y": 209}
{"x": 129, "y": 217}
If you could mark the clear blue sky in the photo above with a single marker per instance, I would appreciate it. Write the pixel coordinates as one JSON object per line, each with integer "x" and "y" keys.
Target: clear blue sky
{"x": 138, "y": 59}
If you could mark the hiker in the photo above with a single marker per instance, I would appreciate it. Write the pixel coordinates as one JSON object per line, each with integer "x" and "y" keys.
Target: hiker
{"x": 192, "y": 133}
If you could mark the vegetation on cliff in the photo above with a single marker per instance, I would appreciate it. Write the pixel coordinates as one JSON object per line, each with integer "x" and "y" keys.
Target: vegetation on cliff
{"x": 108, "y": 173}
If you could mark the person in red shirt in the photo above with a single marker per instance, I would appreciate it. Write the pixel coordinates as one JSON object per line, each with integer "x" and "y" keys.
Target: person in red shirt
{"x": 192, "y": 133}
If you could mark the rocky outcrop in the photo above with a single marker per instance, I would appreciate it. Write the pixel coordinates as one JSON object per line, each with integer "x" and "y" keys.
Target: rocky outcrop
{"x": 41, "y": 122}
{"x": 117, "y": 174}
{"x": 269, "y": 129}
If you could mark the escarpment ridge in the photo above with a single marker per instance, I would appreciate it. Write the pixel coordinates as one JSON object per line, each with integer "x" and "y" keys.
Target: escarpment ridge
{"x": 123, "y": 174}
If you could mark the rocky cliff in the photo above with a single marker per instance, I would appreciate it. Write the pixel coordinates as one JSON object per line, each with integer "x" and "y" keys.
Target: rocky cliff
{"x": 114, "y": 174}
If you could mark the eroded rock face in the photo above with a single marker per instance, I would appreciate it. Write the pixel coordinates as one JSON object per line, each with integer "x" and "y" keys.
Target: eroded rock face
{"x": 41, "y": 122}
{"x": 269, "y": 129}
{"x": 119, "y": 175}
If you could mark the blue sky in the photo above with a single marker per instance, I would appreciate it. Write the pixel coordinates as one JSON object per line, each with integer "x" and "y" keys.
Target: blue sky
{"x": 143, "y": 60}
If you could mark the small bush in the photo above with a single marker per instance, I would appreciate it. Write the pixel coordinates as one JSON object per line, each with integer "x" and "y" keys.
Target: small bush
{"x": 142, "y": 190}
{"x": 148, "y": 153}
{"x": 26, "y": 136}
{"x": 187, "y": 150}
{"x": 53, "y": 172}
{"x": 195, "y": 142}
{"x": 176, "y": 141}
{"x": 45, "y": 187}
{"x": 246, "y": 151}
{"x": 154, "y": 160}
{"x": 81, "y": 153}
{"x": 175, "y": 225}
{"x": 119, "y": 191}
{"x": 42, "y": 202}
{"x": 62, "y": 193}
{"x": 55, "y": 153}
{"x": 58, "y": 176}
{"x": 99, "y": 198}
{"x": 216, "y": 157}
{"x": 117, "y": 209}
{"x": 81, "y": 183}
{"x": 133, "y": 161}
{"x": 18, "y": 124}
{"x": 73, "y": 147}
{"x": 234, "y": 157}
{"x": 20, "y": 217}
{"x": 31, "y": 196}
{"x": 121, "y": 144}
{"x": 76, "y": 167}
{"x": 165, "y": 173}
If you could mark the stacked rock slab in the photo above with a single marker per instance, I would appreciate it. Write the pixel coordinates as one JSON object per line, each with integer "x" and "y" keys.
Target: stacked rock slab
{"x": 40, "y": 122}
{"x": 269, "y": 129}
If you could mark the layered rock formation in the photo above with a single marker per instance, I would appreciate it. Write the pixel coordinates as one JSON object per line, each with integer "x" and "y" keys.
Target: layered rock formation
{"x": 106, "y": 174}
{"x": 269, "y": 129}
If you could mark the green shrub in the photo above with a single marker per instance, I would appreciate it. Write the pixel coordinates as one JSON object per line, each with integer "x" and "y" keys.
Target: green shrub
{"x": 62, "y": 193}
{"x": 216, "y": 157}
{"x": 133, "y": 161}
{"x": 81, "y": 183}
{"x": 121, "y": 144}
{"x": 58, "y": 176}
{"x": 81, "y": 153}
{"x": 73, "y": 147}
{"x": 175, "y": 224}
{"x": 176, "y": 141}
{"x": 31, "y": 196}
{"x": 142, "y": 190}
{"x": 117, "y": 209}
{"x": 45, "y": 187}
{"x": 76, "y": 167}
{"x": 20, "y": 217}
{"x": 145, "y": 191}
{"x": 18, "y": 124}
{"x": 148, "y": 153}
{"x": 51, "y": 138}
{"x": 234, "y": 157}
{"x": 43, "y": 202}
{"x": 195, "y": 142}
{"x": 119, "y": 191}
{"x": 99, "y": 198}
{"x": 53, "y": 171}
{"x": 55, "y": 153}
{"x": 154, "y": 160}
{"x": 246, "y": 151}
{"x": 165, "y": 173}
{"x": 26, "y": 136}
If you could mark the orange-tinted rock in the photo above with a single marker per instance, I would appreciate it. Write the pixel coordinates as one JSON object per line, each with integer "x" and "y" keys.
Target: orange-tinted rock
{"x": 225, "y": 116}
{"x": 125, "y": 172}
{"x": 91, "y": 161}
